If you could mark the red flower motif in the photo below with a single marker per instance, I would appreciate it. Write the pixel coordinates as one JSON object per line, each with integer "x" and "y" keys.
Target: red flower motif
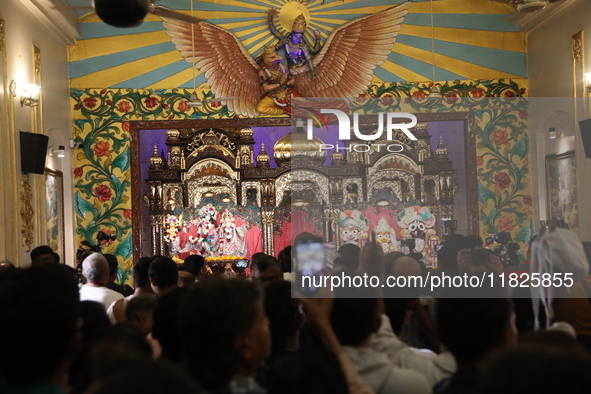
{"x": 183, "y": 106}
{"x": 479, "y": 160}
{"x": 451, "y": 99}
{"x": 101, "y": 149}
{"x": 125, "y": 126}
{"x": 103, "y": 193}
{"x": 505, "y": 223}
{"x": 103, "y": 91}
{"x": 78, "y": 172}
{"x": 171, "y": 117}
{"x": 387, "y": 100}
{"x": 419, "y": 95}
{"x": 521, "y": 91}
{"x": 127, "y": 213}
{"x": 90, "y": 102}
{"x": 123, "y": 106}
{"x": 77, "y": 107}
{"x": 108, "y": 102}
{"x": 478, "y": 93}
{"x": 165, "y": 106}
{"x": 500, "y": 137}
{"x": 528, "y": 200}
{"x": 502, "y": 180}
{"x": 361, "y": 98}
{"x": 216, "y": 104}
{"x": 523, "y": 115}
{"x": 510, "y": 95}
{"x": 151, "y": 102}
{"x": 373, "y": 95}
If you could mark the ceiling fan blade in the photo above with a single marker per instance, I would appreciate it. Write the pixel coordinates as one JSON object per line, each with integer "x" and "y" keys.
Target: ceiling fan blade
{"x": 168, "y": 13}
{"x": 219, "y": 99}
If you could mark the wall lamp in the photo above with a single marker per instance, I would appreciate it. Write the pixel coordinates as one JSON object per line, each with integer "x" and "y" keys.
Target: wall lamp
{"x": 59, "y": 152}
{"x": 29, "y": 93}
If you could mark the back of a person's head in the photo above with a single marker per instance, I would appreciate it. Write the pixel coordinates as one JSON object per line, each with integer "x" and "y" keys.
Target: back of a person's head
{"x": 283, "y": 313}
{"x": 354, "y": 314}
{"x": 536, "y": 368}
{"x": 472, "y": 327}
{"x": 95, "y": 267}
{"x": 186, "y": 279}
{"x": 311, "y": 371}
{"x": 140, "y": 304}
{"x": 120, "y": 340}
{"x": 472, "y": 241}
{"x": 284, "y": 259}
{"x": 164, "y": 272}
{"x": 389, "y": 259}
{"x": 141, "y": 375}
{"x": 349, "y": 250}
{"x": 214, "y": 314}
{"x": 457, "y": 240}
{"x": 40, "y": 251}
{"x": 113, "y": 264}
{"x": 141, "y": 278}
{"x": 39, "y": 310}
{"x": 265, "y": 262}
{"x": 348, "y": 264}
{"x": 166, "y": 323}
{"x": 254, "y": 260}
{"x": 7, "y": 270}
{"x": 94, "y": 320}
{"x": 194, "y": 264}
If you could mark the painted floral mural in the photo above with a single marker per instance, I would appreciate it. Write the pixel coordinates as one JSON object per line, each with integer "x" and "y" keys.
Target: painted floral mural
{"x": 102, "y": 163}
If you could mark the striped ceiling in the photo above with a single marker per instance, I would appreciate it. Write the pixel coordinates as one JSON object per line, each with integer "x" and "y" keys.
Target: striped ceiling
{"x": 474, "y": 39}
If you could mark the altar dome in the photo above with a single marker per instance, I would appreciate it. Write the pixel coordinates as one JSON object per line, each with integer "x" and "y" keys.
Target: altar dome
{"x": 284, "y": 148}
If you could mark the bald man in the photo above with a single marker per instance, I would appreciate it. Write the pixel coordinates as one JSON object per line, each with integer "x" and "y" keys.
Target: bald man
{"x": 96, "y": 270}
{"x": 7, "y": 269}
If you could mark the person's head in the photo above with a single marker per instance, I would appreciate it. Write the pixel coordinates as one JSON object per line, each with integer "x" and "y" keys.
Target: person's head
{"x": 194, "y": 264}
{"x": 7, "y": 270}
{"x": 389, "y": 259}
{"x": 456, "y": 240}
{"x": 348, "y": 264}
{"x": 42, "y": 255}
{"x": 472, "y": 241}
{"x": 472, "y": 327}
{"x": 141, "y": 277}
{"x": 164, "y": 274}
{"x": 186, "y": 279}
{"x": 283, "y": 312}
{"x": 349, "y": 251}
{"x": 311, "y": 371}
{"x": 354, "y": 315}
{"x": 120, "y": 340}
{"x": 95, "y": 268}
{"x": 139, "y": 312}
{"x": 94, "y": 321}
{"x": 41, "y": 338}
{"x": 284, "y": 259}
{"x": 56, "y": 258}
{"x": 267, "y": 270}
{"x": 113, "y": 266}
{"x": 227, "y": 337}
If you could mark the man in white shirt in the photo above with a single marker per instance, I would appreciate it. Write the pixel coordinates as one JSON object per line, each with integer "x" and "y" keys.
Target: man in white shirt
{"x": 96, "y": 270}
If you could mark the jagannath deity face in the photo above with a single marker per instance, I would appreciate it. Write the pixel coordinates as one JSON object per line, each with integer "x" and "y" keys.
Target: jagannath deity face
{"x": 383, "y": 237}
{"x": 350, "y": 234}
{"x": 416, "y": 229}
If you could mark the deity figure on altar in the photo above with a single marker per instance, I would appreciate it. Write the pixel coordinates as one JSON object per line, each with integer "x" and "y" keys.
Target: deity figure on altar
{"x": 173, "y": 225}
{"x": 232, "y": 238}
{"x": 203, "y": 235}
{"x": 386, "y": 236}
{"x": 417, "y": 223}
{"x": 298, "y": 50}
{"x": 353, "y": 227}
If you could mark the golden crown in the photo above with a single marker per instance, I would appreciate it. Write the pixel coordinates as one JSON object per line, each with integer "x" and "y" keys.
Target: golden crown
{"x": 299, "y": 20}
{"x": 269, "y": 50}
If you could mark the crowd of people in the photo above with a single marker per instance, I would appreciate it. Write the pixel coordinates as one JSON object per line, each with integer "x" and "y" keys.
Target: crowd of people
{"x": 192, "y": 332}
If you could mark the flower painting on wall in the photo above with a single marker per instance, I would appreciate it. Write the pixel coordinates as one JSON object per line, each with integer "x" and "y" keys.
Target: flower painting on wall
{"x": 561, "y": 190}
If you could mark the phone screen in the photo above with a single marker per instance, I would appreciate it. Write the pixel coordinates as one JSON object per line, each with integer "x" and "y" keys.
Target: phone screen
{"x": 310, "y": 265}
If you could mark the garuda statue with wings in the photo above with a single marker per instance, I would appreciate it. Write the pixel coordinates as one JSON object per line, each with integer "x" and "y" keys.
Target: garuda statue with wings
{"x": 343, "y": 67}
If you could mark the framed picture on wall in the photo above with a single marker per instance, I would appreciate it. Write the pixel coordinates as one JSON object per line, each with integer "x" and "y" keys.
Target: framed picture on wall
{"x": 54, "y": 211}
{"x": 561, "y": 189}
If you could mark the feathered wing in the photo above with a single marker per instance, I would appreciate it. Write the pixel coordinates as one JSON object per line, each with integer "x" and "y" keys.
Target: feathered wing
{"x": 344, "y": 67}
{"x": 221, "y": 57}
